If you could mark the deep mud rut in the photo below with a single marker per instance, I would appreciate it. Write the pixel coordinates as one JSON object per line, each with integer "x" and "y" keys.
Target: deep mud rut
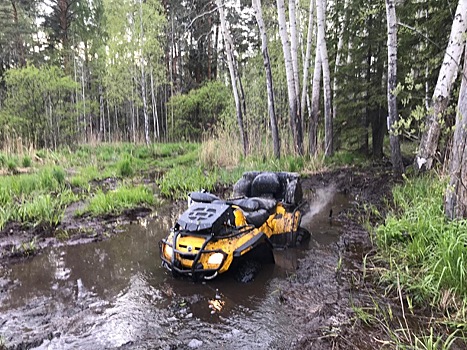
{"x": 112, "y": 292}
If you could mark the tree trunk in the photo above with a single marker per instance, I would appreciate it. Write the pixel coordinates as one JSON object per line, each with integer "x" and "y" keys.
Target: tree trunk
{"x": 306, "y": 62}
{"x": 233, "y": 74}
{"x": 340, "y": 45}
{"x": 446, "y": 78}
{"x": 269, "y": 85}
{"x": 101, "y": 114}
{"x": 328, "y": 137}
{"x": 313, "y": 134}
{"x": 294, "y": 48}
{"x": 396, "y": 158}
{"x": 291, "y": 91}
{"x": 143, "y": 77}
{"x": 155, "y": 117}
{"x": 456, "y": 194}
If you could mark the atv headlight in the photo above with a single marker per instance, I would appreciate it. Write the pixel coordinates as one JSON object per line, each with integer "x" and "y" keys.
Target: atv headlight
{"x": 216, "y": 259}
{"x": 168, "y": 251}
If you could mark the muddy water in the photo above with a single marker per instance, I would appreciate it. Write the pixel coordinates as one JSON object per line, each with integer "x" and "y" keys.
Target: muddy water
{"x": 114, "y": 294}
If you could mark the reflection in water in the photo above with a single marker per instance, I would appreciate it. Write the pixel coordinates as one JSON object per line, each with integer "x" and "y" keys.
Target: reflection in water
{"x": 111, "y": 293}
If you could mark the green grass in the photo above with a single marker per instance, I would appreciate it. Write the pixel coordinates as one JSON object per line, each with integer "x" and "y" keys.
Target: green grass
{"x": 40, "y": 209}
{"x": 177, "y": 182}
{"x": 26, "y": 162}
{"x": 114, "y": 202}
{"x": 422, "y": 247}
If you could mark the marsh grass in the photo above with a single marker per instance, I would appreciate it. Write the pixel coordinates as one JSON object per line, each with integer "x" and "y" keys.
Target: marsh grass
{"x": 114, "y": 202}
{"x": 125, "y": 167}
{"x": 43, "y": 209}
{"x": 427, "y": 251}
{"x": 27, "y": 161}
{"x": 177, "y": 182}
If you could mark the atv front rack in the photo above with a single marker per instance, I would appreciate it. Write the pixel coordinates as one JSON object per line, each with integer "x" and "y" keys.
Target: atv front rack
{"x": 197, "y": 269}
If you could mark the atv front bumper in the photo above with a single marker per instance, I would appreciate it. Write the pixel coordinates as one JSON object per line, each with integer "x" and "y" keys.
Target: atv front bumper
{"x": 194, "y": 265}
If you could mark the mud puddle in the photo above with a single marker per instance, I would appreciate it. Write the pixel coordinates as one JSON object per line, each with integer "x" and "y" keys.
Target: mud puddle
{"x": 114, "y": 294}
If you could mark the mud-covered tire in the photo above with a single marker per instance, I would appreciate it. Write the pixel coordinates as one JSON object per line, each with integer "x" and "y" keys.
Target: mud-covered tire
{"x": 302, "y": 236}
{"x": 247, "y": 270}
{"x": 249, "y": 265}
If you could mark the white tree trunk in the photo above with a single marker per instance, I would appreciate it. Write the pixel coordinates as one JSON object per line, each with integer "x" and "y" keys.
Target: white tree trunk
{"x": 269, "y": 85}
{"x": 294, "y": 46}
{"x": 446, "y": 78}
{"x": 155, "y": 117}
{"x": 313, "y": 134}
{"x": 396, "y": 158}
{"x": 306, "y": 61}
{"x": 328, "y": 132}
{"x": 232, "y": 70}
{"x": 340, "y": 45}
{"x": 143, "y": 77}
{"x": 456, "y": 193}
{"x": 291, "y": 90}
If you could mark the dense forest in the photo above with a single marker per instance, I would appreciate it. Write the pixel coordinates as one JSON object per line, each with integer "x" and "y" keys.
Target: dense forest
{"x": 302, "y": 77}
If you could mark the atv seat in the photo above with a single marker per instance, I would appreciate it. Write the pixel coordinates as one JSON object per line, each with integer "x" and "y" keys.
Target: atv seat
{"x": 282, "y": 186}
{"x": 254, "y": 204}
{"x": 256, "y": 209}
{"x": 257, "y": 218}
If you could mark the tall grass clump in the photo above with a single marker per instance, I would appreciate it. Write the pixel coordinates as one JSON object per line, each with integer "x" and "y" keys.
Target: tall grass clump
{"x": 27, "y": 161}
{"x": 177, "y": 182}
{"x": 3, "y": 160}
{"x": 423, "y": 249}
{"x": 125, "y": 167}
{"x": 114, "y": 202}
{"x": 224, "y": 151}
{"x": 43, "y": 209}
{"x": 47, "y": 179}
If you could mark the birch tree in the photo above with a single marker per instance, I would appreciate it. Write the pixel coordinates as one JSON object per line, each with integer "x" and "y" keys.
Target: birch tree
{"x": 396, "y": 158}
{"x": 446, "y": 78}
{"x": 456, "y": 194}
{"x": 340, "y": 45}
{"x": 291, "y": 87}
{"x": 267, "y": 67}
{"x": 143, "y": 76}
{"x": 306, "y": 61}
{"x": 229, "y": 51}
{"x": 313, "y": 132}
{"x": 328, "y": 124}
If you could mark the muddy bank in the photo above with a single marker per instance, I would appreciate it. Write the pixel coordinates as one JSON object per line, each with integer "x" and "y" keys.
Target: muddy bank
{"x": 328, "y": 281}
{"x": 115, "y": 294}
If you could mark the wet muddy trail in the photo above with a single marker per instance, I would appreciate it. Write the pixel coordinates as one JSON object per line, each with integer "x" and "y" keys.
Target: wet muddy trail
{"x": 114, "y": 293}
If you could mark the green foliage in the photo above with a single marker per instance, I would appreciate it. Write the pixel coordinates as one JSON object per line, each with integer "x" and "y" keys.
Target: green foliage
{"x": 12, "y": 165}
{"x": 47, "y": 179}
{"x": 425, "y": 250}
{"x": 343, "y": 158}
{"x": 125, "y": 168}
{"x": 32, "y": 93}
{"x": 124, "y": 197}
{"x": 3, "y": 160}
{"x": 178, "y": 182}
{"x": 199, "y": 110}
{"x": 43, "y": 209}
{"x": 27, "y": 161}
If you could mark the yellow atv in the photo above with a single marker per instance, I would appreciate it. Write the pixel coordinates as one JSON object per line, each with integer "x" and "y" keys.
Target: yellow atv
{"x": 213, "y": 233}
